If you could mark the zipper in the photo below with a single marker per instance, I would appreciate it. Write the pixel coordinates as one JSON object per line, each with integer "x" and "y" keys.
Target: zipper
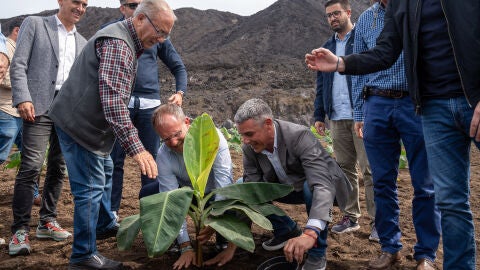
{"x": 454, "y": 54}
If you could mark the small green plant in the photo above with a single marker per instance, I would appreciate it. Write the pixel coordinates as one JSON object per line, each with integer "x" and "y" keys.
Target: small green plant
{"x": 233, "y": 138}
{"x": 161, "y": 215}
{"x": 326, "y": 140}
{"x": 403, "y": 164}
{"x": 13, "y": 161}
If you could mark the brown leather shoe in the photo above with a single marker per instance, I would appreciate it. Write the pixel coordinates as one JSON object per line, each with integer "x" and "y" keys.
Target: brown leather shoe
{"x": 385, "y": 261}
{"x": 425, "y": 264}
{"x": 38, "y": 200}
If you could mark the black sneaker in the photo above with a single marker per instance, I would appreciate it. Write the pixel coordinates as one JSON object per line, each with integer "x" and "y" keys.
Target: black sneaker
{"x": 277, "y": 243}
{"x": 110, "y": 232}
{"x": 315, "y": 263}
{"x": 97, "y": 261}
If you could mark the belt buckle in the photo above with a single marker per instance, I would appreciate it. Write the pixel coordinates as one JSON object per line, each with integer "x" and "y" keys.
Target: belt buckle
{"x": 397, "y": 96}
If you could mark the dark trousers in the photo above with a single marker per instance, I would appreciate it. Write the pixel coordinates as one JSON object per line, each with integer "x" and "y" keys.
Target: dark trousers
{"x": 284, "y": 224}
{"x": 387, "y": 121}
{"x": 142, "y": 119}
{"x": 36, "y": 137}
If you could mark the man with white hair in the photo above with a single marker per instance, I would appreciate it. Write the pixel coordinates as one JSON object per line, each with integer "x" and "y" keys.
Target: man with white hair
{"x": 91, "y": 111}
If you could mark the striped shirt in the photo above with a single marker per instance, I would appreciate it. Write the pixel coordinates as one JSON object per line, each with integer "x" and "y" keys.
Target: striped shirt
{"x": 368, "y": 28}
{"x": 116, "y": 74}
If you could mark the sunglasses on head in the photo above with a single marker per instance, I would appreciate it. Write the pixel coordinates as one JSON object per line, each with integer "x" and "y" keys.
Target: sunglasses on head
{"x": 131, "y": 5}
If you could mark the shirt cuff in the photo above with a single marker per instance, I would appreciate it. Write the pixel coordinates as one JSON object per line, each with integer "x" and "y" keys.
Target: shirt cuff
{"x": 317, "y": 223}
{"x": 183, "y": 235}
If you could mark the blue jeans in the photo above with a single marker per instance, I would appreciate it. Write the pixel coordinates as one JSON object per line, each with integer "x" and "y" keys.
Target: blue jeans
{"x": 142, "y": 120}
{"x": 446, "y": 124}
{"x": 35, "y": 139}
{"x": 10, "y": 132}
{"x": 90, "y": 178}
{"x": 284, "y": 224}
{"x": 387, "y": 121}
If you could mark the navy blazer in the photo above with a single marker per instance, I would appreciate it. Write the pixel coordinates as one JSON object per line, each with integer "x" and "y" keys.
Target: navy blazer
{"x": 323, "y": 98}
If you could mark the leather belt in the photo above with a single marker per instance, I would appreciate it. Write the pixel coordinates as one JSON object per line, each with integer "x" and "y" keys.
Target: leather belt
{"x": 388, "y": 93}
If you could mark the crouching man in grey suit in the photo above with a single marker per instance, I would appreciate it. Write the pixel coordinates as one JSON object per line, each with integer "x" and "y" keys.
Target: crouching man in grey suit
{"x": 287, "y": 153}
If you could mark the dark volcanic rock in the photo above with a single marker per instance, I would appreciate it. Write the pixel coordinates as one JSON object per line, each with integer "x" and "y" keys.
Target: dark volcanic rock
{"x": 231, "y": 58}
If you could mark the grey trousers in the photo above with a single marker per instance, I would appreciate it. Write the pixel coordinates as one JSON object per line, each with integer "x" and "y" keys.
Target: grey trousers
{"x": 35, "y": 139}
{"x": 349, "y": 149}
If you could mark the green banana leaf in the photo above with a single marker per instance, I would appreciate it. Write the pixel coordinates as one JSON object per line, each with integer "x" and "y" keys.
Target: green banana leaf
{"x": 128, "y": 231}
{"x": 233, "y": 230}
{"x": 161, "y": 217}
{"x": 267, "y": 209}
{"x": 200, "y": 150}
{"x": 256, "y": 217}
{"x": 255, "y": 192}
{"x": 223, "y": 203}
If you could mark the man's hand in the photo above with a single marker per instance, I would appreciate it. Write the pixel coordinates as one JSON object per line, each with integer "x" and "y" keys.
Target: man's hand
{"x": 320, "y": 127}
{"x": 322, "y": 59}
{"x": 26, "y": 111}
{"x": 147, "y": 164}
{"x": 475, "y": 124}
{"x": 176, "y": 98}
{"x": 3, "y": 65}
{"x": 186, "y": 259}
{"x": 359, "y": 129}
{"x": 223, "y": 257}
{"x": 205, "y": 234}
{"x": 296, "y": 247}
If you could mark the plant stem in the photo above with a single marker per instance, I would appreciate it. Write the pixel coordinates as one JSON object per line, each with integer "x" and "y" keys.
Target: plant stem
{"x": 199, "y": 226}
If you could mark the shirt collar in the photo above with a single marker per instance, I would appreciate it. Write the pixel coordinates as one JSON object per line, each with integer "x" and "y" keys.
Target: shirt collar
{"x": 138, "y": 45}
{"x": 347, "y": 36}
{"x": 266, "y": 152}
{"x": 60, "y": 24}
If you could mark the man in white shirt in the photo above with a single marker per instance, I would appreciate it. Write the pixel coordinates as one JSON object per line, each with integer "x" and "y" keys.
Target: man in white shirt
{"x": 172, "y": 125}
{"x": 46, "y": 50}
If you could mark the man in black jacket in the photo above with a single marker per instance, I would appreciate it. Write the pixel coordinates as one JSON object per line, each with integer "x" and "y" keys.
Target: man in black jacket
{"x": 442, "y": 70}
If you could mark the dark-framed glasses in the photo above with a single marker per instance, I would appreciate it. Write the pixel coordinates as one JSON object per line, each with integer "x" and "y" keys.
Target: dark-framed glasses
{"x": 175, "y": 135}
{"x": 335, "y": 14}
{"x": 131, "y": 5}
{"x": 160, "y": 33}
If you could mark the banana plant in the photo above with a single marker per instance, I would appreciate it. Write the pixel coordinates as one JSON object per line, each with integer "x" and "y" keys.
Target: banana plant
{"x": 161, "y": 215}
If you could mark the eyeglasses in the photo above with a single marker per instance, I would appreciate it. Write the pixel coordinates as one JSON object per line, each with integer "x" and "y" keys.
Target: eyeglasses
{"x": 335, "y": 14}
{"x": 131, "y": 5}
{"x": 160, "y": 33}
{"x": 175, "y": 135}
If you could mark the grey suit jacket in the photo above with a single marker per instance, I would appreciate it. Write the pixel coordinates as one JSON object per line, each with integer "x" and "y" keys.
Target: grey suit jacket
{"x": 303, "y": 159}
{"x": 34, "y": 67}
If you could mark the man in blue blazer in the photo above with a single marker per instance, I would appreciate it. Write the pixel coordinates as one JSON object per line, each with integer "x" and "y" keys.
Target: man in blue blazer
{"x": 46, "y": 50}
{"x": 334, "y": 99}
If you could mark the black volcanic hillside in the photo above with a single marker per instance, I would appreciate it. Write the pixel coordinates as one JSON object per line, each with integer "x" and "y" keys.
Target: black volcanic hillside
{"x": 231, "y": 58}
{"x": 282, "y": 32}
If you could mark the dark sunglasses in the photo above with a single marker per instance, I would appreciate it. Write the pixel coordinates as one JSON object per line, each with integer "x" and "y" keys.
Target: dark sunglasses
{"x": 131, "y": 5}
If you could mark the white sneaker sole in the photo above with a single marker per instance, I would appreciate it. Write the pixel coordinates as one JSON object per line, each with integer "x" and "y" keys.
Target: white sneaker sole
{"x": 273, "y": 248}
{"x": 41, "y": 235}
{"x": 20, "y": 251}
